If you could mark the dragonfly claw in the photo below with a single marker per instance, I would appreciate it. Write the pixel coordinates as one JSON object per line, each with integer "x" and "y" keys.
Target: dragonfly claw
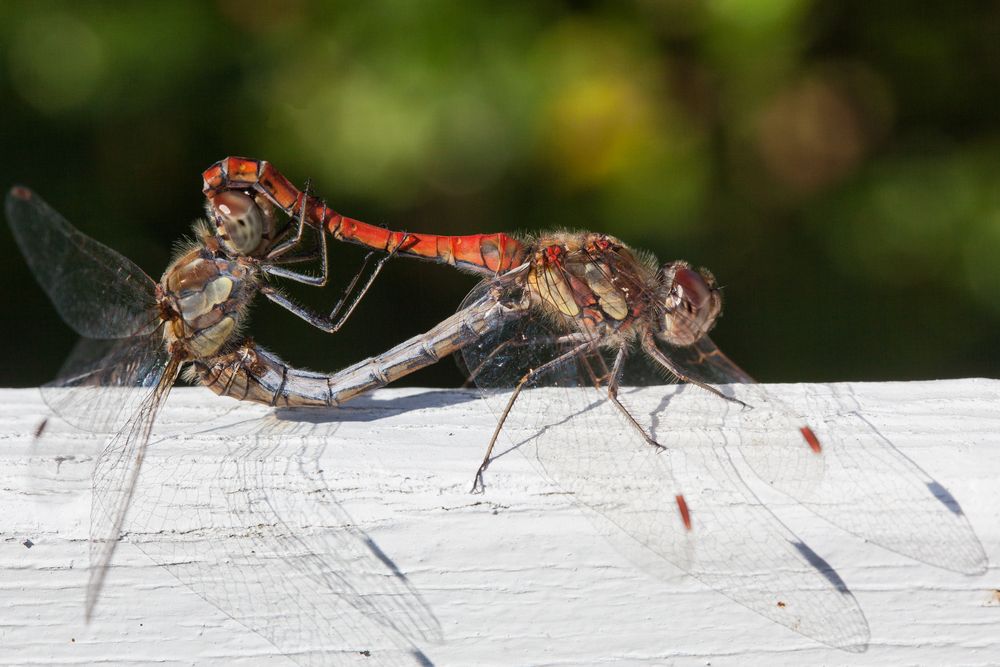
{"x": 478, "y": 485}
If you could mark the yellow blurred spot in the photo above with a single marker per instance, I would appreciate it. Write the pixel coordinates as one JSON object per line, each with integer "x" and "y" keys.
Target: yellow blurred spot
{"x": 357, "y": 130}
{"x": 595, "y": 128}
{"x": 56, "y": 63}
{"x": 756, "y": 15}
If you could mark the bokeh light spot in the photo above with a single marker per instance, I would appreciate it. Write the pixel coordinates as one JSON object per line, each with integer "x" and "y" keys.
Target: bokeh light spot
{"x": 810, "y": 136}
{"x": 595, "y": 129}
{"x": 758, "y": 14}
{"x": 56, "y": 63}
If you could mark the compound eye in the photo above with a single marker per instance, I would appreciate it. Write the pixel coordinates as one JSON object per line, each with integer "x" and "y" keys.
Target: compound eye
{"x": 691, "y": 305}
{"x": 693, "y": 290}
{"x": 239, "y": 222}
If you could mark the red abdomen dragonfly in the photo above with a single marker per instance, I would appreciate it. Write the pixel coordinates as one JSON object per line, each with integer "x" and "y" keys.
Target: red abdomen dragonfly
{"x": 484, "y": 254}
{"x": 553, "y": 343}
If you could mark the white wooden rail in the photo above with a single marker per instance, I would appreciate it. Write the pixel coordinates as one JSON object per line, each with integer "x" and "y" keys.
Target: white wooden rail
{"x": 517, "y": 575}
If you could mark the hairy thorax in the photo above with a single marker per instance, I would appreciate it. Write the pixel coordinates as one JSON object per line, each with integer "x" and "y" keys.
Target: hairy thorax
{"x": 203, "y": 295}
{"x": 595, "y": 282}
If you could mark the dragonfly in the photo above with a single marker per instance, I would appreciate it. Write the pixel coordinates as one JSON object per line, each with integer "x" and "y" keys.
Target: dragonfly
{"x": 481, "y": 254}
{"x": 138, "y": 334}
{"x": 562, "y": 312}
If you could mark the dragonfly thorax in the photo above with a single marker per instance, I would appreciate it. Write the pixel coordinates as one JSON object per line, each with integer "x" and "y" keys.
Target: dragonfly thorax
{"x": 204, "y": 295}
{"x": 593, "y": 279}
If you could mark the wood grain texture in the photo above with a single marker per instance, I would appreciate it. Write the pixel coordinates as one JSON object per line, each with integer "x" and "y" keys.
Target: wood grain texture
{"x": 517, "y": 575}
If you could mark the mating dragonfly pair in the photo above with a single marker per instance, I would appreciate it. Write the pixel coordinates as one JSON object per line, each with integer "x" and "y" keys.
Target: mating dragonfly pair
{"x": 546, "y": 335}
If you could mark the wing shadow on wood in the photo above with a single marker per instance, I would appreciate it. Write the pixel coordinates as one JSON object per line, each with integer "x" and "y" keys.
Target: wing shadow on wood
{"x": 247, "y": 520}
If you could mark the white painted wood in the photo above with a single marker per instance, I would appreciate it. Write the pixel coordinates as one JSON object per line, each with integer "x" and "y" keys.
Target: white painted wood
{"x": 518, "y": 575}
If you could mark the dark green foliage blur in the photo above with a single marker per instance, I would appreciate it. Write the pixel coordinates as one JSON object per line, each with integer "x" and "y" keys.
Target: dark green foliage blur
{"x": 835, "y": 164}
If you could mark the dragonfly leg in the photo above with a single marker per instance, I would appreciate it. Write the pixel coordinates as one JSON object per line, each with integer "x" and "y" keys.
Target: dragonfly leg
{"x": 327, "y": 324}
{"x": 339, "y": 315}
{"x": 288, "y": 244}
{"x": 613, "y": 380}
{"x": 596, "y": 378}
{"x": 364, "y": 289}
{"x": 649, "y": 345}
{"x": 271, "y": 259}
{"x": 478, "y": 486}
{"x": 296, "y": 239}
{"x": 547, "y": 340}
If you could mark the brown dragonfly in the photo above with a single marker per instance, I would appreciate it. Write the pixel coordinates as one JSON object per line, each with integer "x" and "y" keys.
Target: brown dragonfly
{"x": 137, "y": 335}
{"x": 562, "y": 312}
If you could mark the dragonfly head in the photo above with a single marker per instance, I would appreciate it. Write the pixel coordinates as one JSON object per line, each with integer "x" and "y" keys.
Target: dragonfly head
{"x": 691, "y": 303}
{"x": 239, "y": 222}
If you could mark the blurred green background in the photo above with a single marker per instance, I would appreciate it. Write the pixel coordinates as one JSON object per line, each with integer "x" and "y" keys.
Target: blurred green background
{"x": 835, "y": 164}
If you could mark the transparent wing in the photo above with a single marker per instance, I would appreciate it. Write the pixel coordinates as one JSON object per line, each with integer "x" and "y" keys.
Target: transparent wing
{"x": 857, "y": 480}
{"x": 97, "y": 291}
{"x": 115, "y": 476}
{"x": 582, "y": 442}
{"x": 260, "y": 531}
{"x": 102, "y": 382}
{"x": 705, "y": 362}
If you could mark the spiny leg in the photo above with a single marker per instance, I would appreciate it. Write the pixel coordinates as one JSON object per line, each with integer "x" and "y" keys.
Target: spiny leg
{"x": 682, "y": 506}
{"x": 649, "y": 345}
{"x": 596, "y": 378}
{"x": 288, "y": 244}
{"x": 335, "y": 320}
{"x": 613, "y": 380}
{"x": 509, "y": 343}
{"x": 319, "y": 321}
{"x": 281, "y": 243}
{"x": 364, "y": 289}
{"x": 477, "y": 484}
{"x": 270, "y": 267}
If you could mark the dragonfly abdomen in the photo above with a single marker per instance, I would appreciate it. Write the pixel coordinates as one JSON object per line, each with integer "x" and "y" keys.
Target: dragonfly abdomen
{"x": 484, "y": 254}
{"x": 252, "y": 373}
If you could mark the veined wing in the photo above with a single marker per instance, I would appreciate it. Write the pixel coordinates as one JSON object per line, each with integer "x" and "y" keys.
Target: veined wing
{"x": 844, "y": 471}
{"x": 96, "y": 290}
{"x": 114, "y": 482}
{"x": 705, "y": 362}
{"x": 102, "y": 382}
{"x": 582, "y": 442}
{"x": 262, "y": 530}
{"x": 858, "y": 481}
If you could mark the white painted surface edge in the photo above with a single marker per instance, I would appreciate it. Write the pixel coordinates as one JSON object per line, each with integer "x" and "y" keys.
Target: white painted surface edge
{"x": 517, "y": 575}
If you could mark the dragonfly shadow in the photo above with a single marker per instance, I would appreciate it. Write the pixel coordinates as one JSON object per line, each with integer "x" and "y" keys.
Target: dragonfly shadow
{"x": 261, "y": 536}
{"x": 948, "y": 500}
{"x": 936, "y": 488}
{"x": 366, "y": 409}
{"x": 711, "y": 449}
{"x": 654, "y": 415}
{"x": 956, "y": 545}
{"x": 822, "y": 566}
{"x": 718, "y": 409}
{"x": 855, "y": 478}
{"x": 686, "y": 506}
{"x": 540, "y": 431}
